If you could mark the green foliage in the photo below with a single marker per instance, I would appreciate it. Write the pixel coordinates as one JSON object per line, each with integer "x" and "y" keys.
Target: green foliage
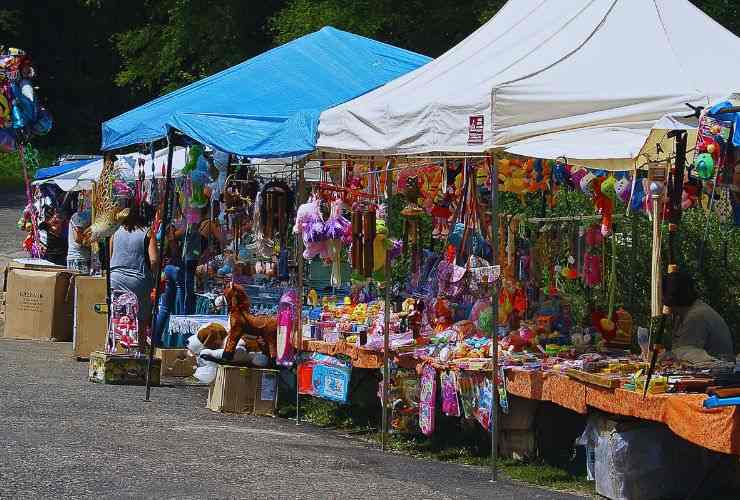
{"x": 11, "y": 168}
{"x": 300, "y": 17}
{"x": 429, "y": 27}
{"x": 181, "y": 41}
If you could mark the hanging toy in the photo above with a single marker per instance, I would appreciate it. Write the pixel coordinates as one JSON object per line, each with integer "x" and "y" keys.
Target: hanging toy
{"x": 704, "y": 166}
{"x": 276, "y": 209}
{"x": 638, "y": 196}
{"x": 622, "y": 187}
{"x": 336, "y": 230}
{"x": 356, "y": 239}
{"x": 441, "y": 214}
{"x": 197, "y": 168}
{"x": 368, "y": 238}
{"x": 411, "y": 214}
{"x": 310, "y": 225}
{"x": 380, "y": 245}
{"x": 592, "y": 261}
{"x": 604, "y": 202}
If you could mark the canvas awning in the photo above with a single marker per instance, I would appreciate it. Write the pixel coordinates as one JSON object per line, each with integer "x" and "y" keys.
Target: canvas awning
{"x": 544, "y": 67}
{"x": 268, "y": 106}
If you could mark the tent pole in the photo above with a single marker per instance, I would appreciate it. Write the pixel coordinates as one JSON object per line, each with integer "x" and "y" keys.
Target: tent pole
{"x": 387, "y": 316}
{"x": 299, "y": 312}
{"x": 104, "y": 253}
{"x": 494, "y": 322}
{"x": 164, "y": 223}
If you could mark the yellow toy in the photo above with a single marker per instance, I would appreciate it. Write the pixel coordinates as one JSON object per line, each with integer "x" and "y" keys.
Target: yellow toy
{"x": 313, "y": 298}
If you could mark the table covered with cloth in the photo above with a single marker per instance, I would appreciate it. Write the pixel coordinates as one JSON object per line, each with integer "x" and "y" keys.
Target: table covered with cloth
{"x": 716, "y": 429}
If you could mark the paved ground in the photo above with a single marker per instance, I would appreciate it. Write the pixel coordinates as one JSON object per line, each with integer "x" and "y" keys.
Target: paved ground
{"x": 61, "y": 436}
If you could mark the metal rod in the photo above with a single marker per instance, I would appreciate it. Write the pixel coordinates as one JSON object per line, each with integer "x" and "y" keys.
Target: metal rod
{"x": 299, "y": 259}
{"x": 386, "y": 319}
{"x": 494, "y": 322}
{"x": 29, "y": 198}
{"x": 164, "y": 223}
{"x": 572, "y": 218}
{"x": 104, "y": 254}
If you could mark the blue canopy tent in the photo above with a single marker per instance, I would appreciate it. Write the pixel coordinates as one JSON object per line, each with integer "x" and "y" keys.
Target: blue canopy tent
{"x": 54, "y": 170}
{"x": 268, "y": 106}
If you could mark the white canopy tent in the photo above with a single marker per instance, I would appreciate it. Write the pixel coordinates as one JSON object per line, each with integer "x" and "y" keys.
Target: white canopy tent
{"x": 84, "y": 177}
{"x": 544, "y": 69}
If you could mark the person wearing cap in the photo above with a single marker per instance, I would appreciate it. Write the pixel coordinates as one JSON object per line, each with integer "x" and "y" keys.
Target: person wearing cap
{"x": 700, "y": 334}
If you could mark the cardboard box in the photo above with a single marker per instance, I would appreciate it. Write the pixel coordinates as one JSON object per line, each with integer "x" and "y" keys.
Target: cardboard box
{"x": 34, "y": 264}
{"x": 119, "y": 369}
{"x": 244, "y": 390}
{"x": 91, "y": 316}
{"x": 39, "y": 304}
{"x": 2, "y": 306}
{"x": 176, "y": 362}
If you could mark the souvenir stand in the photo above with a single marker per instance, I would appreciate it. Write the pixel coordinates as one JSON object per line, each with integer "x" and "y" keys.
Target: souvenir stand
{"x": 569, "y": 50}
{"x": 581, "y": 365}
{"x": 279, "y": 120}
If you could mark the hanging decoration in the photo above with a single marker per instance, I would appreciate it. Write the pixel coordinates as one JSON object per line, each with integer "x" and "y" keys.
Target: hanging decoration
{"x": 21, "y": 114}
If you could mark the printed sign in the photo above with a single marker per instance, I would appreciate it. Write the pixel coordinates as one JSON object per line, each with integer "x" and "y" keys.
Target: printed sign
{"x": 331, "y": 382}
{"x": 475, "y": 129}
{"x": 269, "y": 387}
{"x": 324, "y": 377}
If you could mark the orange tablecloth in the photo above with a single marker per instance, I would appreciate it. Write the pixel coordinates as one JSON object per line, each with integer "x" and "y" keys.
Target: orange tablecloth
{"x": 716, "y": 429}
{"x": 561, "y": 390}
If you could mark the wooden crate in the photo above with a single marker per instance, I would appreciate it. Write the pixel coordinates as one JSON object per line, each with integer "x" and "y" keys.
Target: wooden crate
{"x": 244, "y": 390}
{"x": 121, "y": 370}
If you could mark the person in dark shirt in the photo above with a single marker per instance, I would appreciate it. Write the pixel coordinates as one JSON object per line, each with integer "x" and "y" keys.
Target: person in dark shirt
{"x": 699, "y": 332}
{"x": 56, "y": 238}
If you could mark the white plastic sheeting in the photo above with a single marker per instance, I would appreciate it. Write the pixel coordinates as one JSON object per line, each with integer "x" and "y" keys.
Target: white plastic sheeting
{"x": 542, "y": 67}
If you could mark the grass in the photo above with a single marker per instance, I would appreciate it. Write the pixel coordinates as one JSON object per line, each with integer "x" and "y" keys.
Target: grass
{"x": 456, "y": 441}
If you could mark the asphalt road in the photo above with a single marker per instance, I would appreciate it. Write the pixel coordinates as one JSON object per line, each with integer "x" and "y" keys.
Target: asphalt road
{"x": 62, "y": 437}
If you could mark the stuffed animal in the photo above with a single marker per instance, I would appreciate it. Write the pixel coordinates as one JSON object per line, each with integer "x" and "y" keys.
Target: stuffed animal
{"x": 242, "y": 322}
{"x": 212, "y": 335}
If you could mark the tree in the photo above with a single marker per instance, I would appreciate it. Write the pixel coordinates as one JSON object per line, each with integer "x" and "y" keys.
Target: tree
{"x": 429, "y": 27}
{"x": 69, "y": 42}
{"x": 184, "y": 40}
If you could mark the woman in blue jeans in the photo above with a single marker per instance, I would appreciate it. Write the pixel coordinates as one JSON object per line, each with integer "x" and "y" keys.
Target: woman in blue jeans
{"x": 172, "y": 299}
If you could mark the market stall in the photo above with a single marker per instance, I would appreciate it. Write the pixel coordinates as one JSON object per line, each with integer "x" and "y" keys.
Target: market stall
{"x": 550, "y": 83}
{"x": 230, "y": 123}
{"x": 470, "y": 274}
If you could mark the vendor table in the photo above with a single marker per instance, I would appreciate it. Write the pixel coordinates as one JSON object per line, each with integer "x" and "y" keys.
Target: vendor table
{"x": 716, "y": 429}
